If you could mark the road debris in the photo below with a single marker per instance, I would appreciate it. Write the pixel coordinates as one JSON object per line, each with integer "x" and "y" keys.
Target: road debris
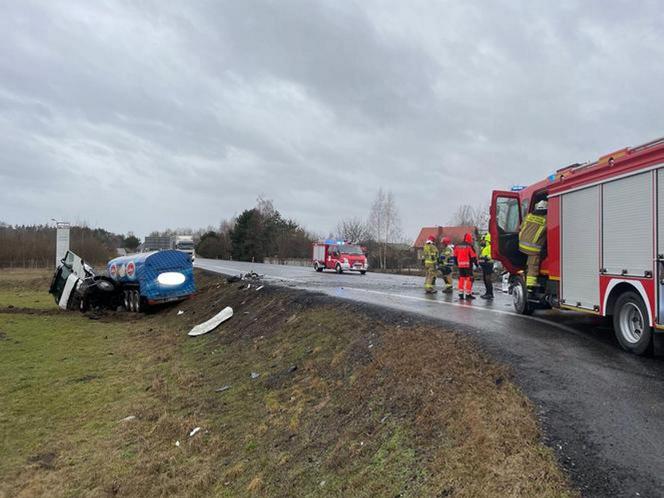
{"x": 223, "y": 388}
{"x": 292, "y": 368}
{"x": 212, "y": 323}
{"x": 177, "y": 443}
{"x": 194, "y": 431}
{"x": 255, "y": 375}
{"x": 180, "y": 312}
{"x": 259, "y": 288}
{"x": 129, "y": 418}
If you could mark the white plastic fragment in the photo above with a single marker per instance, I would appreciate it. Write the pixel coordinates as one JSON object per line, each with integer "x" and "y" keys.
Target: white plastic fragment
{"x": 260, "y": 287}
{"x": 177, "y": 443}
{"x": 129, "y": 418}
{"x": 255, "y": 375}
{"x": 180, "y": 312}
{"x": 212, "y": 323}
{"x": 194, "y": 431}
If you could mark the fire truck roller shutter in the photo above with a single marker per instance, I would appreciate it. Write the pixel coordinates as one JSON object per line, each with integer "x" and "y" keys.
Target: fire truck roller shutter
{"x": 628, "y": 226}
{"x": 580, "y": 248}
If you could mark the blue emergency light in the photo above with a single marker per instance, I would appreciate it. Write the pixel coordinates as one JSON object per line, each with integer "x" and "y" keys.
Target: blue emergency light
{"x": 517, "y": 188}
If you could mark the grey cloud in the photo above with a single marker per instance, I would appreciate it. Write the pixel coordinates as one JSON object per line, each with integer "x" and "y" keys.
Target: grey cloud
{"x": 144, "y": 115}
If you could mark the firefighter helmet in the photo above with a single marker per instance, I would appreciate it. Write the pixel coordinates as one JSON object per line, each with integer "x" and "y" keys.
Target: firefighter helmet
{"x": 431, "y": 239}
{"x": 541, "y": 206}
{"x": 446, "y": 240}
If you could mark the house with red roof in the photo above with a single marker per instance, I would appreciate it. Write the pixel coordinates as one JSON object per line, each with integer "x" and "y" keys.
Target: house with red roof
{"x": 454, "y": 233}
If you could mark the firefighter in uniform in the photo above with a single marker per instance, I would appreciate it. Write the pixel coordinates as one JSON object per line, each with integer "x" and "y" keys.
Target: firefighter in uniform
{"x": 486, "y": 263}
{"x": 430, "y": 262}
{"x": 445, "y": 262}
{"x": 532, "y": 238}
{"x": 465, "y": 258}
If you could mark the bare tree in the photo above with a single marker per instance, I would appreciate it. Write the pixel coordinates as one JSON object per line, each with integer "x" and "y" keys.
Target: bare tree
{"x": 384, "y": 222}
{"x": 353, "y": 230}
{"x": 467, "y": 215}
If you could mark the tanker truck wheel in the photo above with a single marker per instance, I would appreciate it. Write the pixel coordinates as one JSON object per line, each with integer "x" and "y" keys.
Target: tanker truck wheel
{"x": 136, "y": 301}
{"x": 125, "y": 300}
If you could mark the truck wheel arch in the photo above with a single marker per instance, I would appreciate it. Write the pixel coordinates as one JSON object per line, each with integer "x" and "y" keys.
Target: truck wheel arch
{"x": 619, "y": 286}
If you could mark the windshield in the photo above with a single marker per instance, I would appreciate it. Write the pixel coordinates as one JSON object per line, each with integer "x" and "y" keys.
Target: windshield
{"x": 345, "y": 249}
{"x": 185, "y": 245}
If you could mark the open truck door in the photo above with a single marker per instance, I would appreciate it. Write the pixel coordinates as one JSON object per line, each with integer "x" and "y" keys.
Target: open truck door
{"x": 504, "y": 227}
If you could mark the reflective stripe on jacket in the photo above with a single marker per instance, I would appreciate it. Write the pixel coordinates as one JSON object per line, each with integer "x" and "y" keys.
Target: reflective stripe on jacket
{"x": 430, "y": 255}
{"x": 446, "y": 255}
{"x": 532, "y": 234}
{"x": 465, "y": 255}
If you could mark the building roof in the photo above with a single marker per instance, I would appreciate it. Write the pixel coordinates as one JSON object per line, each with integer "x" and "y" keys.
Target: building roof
{"x": 454, "y": 233}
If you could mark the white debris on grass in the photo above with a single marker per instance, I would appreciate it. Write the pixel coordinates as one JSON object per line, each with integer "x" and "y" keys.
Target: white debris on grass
{"x": 212, "y": 323}
{"x": 180, "y": 312}
{"x": 129, "y": 418}
{"x": 177, "y": 443}
{"x": 260, "y": 287}
{"x": 194, "y": 431}
{"x": 255, "y": 375}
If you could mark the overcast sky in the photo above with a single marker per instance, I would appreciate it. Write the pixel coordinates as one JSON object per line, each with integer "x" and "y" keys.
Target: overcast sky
{"x": 150, "y": 114}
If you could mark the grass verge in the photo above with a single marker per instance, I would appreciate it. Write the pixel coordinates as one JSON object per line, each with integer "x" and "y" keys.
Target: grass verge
{"x": 344, "y": 402}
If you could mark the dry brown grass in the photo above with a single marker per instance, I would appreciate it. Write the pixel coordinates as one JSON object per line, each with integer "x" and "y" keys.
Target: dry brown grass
{"x": 376, "y": 407}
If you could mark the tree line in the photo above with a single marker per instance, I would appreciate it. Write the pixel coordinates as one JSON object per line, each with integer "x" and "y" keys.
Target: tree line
{"x": 34, "y": 245}
{"x": 262, "y": 232}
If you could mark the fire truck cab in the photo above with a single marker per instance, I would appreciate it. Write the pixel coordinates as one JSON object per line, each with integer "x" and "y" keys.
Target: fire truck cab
{"x": 604, "y": 251}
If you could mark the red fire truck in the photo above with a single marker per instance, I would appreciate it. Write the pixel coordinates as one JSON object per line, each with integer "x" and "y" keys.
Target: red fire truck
{"x": 340, "y": 256}
{"x": 605, "y": 242}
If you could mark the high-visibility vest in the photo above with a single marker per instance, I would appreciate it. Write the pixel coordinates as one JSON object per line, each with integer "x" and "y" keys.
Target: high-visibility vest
{"x": 485, "y": 253}
{"x": 430, "y": 254}
{"x": 533, "y": 234}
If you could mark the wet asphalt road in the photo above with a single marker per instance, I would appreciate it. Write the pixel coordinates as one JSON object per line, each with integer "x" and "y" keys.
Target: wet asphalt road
{"x": 602, "y": 410}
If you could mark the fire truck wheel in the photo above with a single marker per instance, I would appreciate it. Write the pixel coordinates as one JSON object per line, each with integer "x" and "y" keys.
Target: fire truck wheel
{"x": 318, "y": 267}
{"x": 631, "y": 323}
{"x": 338, "y": 268}
{"x": 363, "y": 272}
{"x": 520, "y": 297}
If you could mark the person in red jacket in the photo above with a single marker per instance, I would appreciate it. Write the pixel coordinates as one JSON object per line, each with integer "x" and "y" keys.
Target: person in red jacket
{"x": 465, "y": 257}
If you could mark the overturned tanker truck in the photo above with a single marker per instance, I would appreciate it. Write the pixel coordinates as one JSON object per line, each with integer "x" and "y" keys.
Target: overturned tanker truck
{"x": 133, "y": 282}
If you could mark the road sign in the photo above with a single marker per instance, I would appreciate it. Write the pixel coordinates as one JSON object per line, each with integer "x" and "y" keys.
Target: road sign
{"x": 61, "y": 241}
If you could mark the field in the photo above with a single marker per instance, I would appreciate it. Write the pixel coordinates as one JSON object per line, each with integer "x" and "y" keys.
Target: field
{"x": 294, "y": 396}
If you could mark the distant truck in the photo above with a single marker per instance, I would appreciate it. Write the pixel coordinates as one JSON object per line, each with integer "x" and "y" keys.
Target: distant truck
{"x": 185, "y": 243}
{"x": 134, "y": 281}
{"x": 340, "y": 256}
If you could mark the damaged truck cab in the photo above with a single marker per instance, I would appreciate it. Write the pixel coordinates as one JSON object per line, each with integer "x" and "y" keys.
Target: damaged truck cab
{"x": 76, "y": 285}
